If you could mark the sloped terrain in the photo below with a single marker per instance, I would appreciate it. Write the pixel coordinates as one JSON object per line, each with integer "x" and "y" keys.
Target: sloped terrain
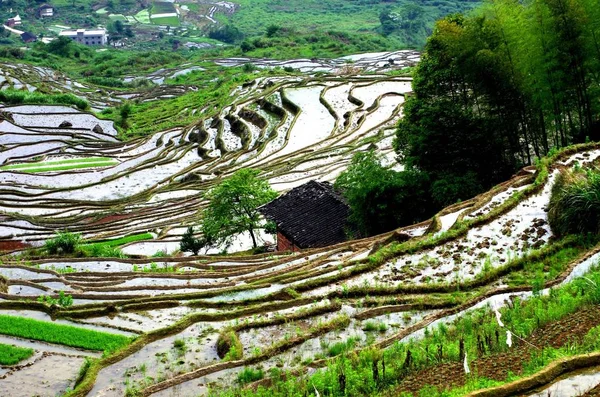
{"x": 286, "y": 311}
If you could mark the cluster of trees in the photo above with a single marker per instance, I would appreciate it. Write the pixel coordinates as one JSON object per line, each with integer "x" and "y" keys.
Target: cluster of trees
{"x": 499, "y": 88}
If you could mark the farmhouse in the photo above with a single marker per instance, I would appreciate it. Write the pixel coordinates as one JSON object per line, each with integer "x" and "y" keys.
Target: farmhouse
{"x": 45, "y": 11}
{"x": 15, "y": 21}
{"x": 309, "y": 216}
{"x": 28, "y": 37}
{"x": 87, "y": 37}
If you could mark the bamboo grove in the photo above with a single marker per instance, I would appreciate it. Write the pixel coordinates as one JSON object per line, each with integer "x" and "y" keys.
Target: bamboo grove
{"x": 500, "y": 87}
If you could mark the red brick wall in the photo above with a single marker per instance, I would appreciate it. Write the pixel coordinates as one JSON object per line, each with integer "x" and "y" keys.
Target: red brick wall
{"x": 283, "y": 244}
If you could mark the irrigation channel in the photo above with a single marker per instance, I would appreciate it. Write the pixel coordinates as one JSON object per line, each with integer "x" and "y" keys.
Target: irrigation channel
{"x": 64, "y": 169}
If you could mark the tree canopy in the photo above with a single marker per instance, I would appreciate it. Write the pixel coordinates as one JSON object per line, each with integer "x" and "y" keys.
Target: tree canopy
{"x": 499, "y": 88}
{"x": 381, "y": 199}
{"x": 233, "y": 205}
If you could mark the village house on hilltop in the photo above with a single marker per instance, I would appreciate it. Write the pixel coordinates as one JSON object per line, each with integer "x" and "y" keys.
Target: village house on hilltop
{"x": 310, "y": 216}
{"x": 45, "y": 11}
{"x": 87, "y": 37}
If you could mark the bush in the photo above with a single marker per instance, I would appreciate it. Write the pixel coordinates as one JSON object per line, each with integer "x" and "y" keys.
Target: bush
{"x": 189, "y": 243}
{"x": 575, "y": 203}
{"x": 63, "y": 243}
{"x": 229, "y": 346}
{"x": 249, "y": 375}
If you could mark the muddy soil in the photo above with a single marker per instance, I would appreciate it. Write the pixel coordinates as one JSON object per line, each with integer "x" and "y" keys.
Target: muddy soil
{"x": 498, "y": 365}
{"x": 48, "y": 377}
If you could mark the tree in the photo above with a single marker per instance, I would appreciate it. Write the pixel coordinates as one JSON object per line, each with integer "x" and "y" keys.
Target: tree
{"x": 227, "y": 34}
{"x": 381, "y": 199}
{"x": 124, "y": 111}
{"x": 233, "y": 206}
{"x": 272, "y": 30}
{"x": 61, "y": 46}
{"x": 190, "y": 243}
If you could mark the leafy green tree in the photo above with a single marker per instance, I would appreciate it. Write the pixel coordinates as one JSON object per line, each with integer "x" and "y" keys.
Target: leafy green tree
{"x": 233, "y": 205}
{"x": 381, "y": 199}
{"x": 227, "y": 34}
{"x": 190, "y": 243}
{"x": 273, "y": 30}
{"x": 62, "y": 46}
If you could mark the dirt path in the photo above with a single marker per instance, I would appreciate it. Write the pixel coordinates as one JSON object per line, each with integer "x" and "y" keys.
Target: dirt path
{"x": 497, "y": 365}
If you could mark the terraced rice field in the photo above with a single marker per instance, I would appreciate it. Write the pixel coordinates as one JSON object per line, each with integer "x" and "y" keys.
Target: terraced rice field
{"x": 165, "y": 314}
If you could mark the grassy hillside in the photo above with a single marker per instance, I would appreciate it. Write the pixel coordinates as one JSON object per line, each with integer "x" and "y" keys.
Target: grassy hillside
{"x": 412, "y": 25}
{"x": 384, "y": 24}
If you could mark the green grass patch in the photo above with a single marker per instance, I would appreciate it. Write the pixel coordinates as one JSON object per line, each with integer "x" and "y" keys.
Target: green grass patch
{"x": 18, "y": 97}
{"x": 143, "y": 16}
{"x": 117, "y": 17}
{"x": 10, "y": 355}
{"x": 67, "y": 335}
{"x": 166, "y": 21}
{"x": 123, "y": 240}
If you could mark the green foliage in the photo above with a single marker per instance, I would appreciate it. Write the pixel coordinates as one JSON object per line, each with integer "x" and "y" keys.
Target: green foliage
{"x": 249, "y": 375}
{"x": 407, "y": 24}
{"x": 11, "y": 355}
{"x": 575, "y": 202}
{"x": 19, "y": 97}
{"x": 64, "y": 242}
{"x": 189, "y": 243}
{"x": 60, "y": 165}
{"x": 63, "y": 299}
{"x": 498, "y": 88}
{"x": 341, "y": 347}
{"x": 233, "y": 206}
{"x": 62, "y": 334}
{"x": 227, "y": 34}
{"x": 179, "y": 344}
{"x": 477, "y": 331}
{"x": 381, "y": 199}
{"x": 229, "y": 346}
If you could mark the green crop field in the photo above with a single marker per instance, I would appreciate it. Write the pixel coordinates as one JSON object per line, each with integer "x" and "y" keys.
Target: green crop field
{"x": 61, "y": 334}
{"x": 11, "y": 355}
{"x": 61, "y": 165}
{"x": 166, "y": 21}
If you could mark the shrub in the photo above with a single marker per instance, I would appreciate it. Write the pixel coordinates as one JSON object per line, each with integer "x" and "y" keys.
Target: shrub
{"x": 189, "y": 243}
{"x": 575, "y": 203}
{"x": 229, "y": 346}
{"x": 63, "y": 243}
{"x": 179, "y": 344}
{"x": 370, "y": 326}
{"x": 249, "y": 375}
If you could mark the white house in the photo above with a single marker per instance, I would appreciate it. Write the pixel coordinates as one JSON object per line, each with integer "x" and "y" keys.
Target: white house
{"x": 87, "y": 37}
{"x": 16, "y": 21}
{"x": 46, "y": 10}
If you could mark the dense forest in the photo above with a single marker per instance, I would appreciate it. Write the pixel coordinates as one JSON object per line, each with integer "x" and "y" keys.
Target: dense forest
{"x": 499, "y": 88}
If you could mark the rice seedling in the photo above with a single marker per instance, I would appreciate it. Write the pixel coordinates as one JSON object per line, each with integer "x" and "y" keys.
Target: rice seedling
{"x": 61, "y": 334}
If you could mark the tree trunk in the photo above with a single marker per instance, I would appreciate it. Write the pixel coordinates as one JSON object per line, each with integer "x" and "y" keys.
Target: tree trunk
{"x": 253, "y": 237}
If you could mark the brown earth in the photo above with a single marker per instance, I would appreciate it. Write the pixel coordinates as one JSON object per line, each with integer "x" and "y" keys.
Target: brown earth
{"x": 595, "y": 392}
{"x": 12, "y": 245}
{"x": 498, "y": 365}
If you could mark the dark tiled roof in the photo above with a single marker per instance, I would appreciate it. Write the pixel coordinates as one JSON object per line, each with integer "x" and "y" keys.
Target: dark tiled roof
{"x": 28, "y": 36}
{"x": 312, "y": 215}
